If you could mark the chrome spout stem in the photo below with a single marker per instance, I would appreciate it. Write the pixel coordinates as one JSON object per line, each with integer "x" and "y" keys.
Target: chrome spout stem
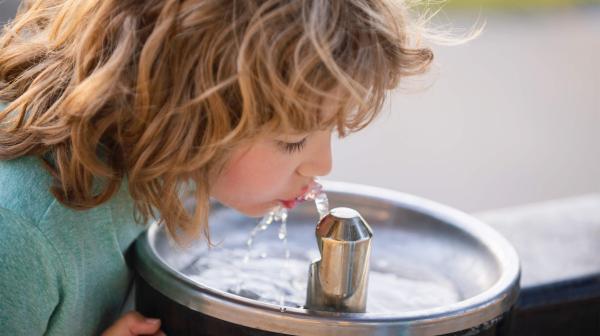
{"x": 338, "y": 281}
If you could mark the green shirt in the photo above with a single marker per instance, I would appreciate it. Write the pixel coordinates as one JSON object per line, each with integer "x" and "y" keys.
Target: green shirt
{"x": 63, "y": 271}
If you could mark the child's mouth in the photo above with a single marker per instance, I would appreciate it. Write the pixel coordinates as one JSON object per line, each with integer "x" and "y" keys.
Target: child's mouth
{"x": 289, "y": 204}
{"x": 308, "y": 193}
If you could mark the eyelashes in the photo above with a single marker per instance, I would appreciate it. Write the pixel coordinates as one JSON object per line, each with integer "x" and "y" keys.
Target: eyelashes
{"x": 292, "y": 147}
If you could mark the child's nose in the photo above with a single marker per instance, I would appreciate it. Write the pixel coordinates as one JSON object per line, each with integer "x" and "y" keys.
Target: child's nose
{"x": 319, "y": 163}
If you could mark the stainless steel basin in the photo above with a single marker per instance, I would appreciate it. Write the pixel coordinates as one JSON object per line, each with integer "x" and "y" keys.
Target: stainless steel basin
{"x": 413, "y": 236}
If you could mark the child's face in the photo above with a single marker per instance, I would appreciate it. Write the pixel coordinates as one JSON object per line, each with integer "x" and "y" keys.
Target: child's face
{"x": 271, "y": 170}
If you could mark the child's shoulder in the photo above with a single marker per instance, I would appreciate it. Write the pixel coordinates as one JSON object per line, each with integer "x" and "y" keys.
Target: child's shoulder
{"x": 30, "y": 276}
{"x": 25, "y": 187}
{"x": 25, "y": 244}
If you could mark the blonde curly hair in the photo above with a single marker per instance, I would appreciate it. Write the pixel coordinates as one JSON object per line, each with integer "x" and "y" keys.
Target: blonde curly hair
{"x": 157, "y": 93}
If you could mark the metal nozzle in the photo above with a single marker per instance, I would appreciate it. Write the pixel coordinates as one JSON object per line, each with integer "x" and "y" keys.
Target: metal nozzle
{"x": 339, "y": 280}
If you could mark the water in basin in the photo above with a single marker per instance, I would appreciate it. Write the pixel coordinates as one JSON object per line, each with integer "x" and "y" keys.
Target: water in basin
{"x": 273, "y": 279}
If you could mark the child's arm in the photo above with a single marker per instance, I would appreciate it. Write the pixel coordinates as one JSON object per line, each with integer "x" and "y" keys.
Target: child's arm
{"x": 29, "y": 277}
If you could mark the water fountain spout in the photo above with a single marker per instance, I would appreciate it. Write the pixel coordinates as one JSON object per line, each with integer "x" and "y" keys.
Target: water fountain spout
{"x": 338, "y": 281}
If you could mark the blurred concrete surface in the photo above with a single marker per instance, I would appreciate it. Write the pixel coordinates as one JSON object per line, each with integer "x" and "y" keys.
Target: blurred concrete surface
{"x": 556, "y": 240}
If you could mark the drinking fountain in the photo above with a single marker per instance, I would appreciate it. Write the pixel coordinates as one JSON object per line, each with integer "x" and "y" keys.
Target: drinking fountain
{"x": 338, "y": 280}
{"x": 416, "y": 268}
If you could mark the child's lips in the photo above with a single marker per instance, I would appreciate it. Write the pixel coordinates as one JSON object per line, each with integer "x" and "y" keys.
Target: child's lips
{"x": 289, "y": 203}
{"x": 303, "y": 191}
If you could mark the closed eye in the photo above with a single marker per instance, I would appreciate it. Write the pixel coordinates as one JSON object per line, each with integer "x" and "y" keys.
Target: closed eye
{"x": 292, "y": 147}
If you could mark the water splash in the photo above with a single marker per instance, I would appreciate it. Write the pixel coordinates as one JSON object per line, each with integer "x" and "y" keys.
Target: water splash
{"x": 280, "y": 214}
{"x": 316, "y": 193}
{"x": 322, "y": 204}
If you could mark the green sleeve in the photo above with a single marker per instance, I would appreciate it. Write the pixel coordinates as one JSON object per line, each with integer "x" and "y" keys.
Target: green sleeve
{"x": 29, "y": 277}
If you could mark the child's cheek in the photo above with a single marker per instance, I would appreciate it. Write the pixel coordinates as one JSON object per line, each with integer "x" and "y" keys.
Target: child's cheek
{"x": 256, "y": 175}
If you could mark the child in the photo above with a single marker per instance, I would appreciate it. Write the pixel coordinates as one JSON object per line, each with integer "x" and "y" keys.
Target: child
{"x": 111, "y": 107}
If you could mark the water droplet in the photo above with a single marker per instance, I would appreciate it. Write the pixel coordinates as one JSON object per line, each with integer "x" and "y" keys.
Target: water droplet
{"x": 282, "y": 230}
{"x": 322, "y": 204}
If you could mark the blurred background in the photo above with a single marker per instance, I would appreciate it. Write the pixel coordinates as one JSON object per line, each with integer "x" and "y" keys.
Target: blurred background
{"x": 510, "y": 118}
